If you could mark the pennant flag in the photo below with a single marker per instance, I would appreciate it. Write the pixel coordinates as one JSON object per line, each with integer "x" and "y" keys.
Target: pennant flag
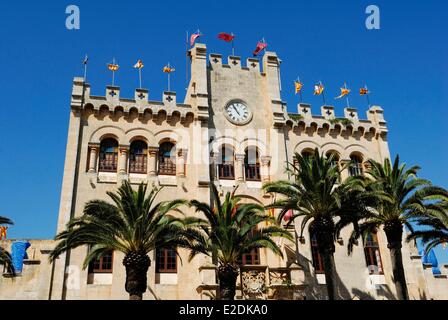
{"x": 113, "y": 67}
{"x": 3, "y": 231}
{"x": 139, "y": 64}
{"x": 193, "y": 38}
{"x": 344, "y": 91}
{"x": 271, "y": 214}
{"x": 86, "y": 59}
{"x": 226, "y": 36}
{"x": 364, "y": 91}
{"x": 168, "y": 69}
{"x": 261, "y": 45}
{"x": 298, "y": 86}
{"x": 318, "y": 89}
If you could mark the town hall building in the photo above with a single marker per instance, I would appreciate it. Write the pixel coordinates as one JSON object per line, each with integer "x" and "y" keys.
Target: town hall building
{"x": 232, "y": 129}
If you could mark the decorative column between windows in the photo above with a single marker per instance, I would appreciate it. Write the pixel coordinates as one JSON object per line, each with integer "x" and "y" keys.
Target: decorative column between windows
{"x": 344, "y": 168}
{"x": 264, "y": 171}
{"x": 93, "y": 149}
{"x": 239, "y": 168}
{"x": 152, "y": 160}
{"x": 181, "y": 162}
{"x": 214, "y": 166}
{"x": 122, "y": 165}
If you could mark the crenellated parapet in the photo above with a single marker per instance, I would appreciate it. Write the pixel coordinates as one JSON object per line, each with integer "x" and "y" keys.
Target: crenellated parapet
{"x": 374, "y": 125}
{"x": 234, "y": 62}
{"x": 113, "y": 102}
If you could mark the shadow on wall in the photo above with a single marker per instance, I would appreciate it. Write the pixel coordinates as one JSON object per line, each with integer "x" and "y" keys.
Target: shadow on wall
{"x": 316, "y": 291}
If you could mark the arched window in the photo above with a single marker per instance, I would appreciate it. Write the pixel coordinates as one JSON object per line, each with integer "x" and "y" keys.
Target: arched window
{"x": 355, "y": 168}
{"x": 108, "y": 155}
{"x": 335, "y": 158}
{"x": 138, "y": 157}
{"x": 226, "y": 168}
{"x": 372, "y": 254}
{"x": 252, "y": 164}
{"x": 318, "y": 263}
{"x": 167, "y": 159}
{"x": 306, "y": 153}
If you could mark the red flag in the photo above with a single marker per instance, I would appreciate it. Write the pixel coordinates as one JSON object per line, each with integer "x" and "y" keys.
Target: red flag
{"x": 193, "y": 38}
{"x": 226, "y": 36}
{"x": 288, "y": 216}
{"x": 260, "y": 47}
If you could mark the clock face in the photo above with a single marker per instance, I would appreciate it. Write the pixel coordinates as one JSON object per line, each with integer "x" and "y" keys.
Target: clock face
{"x": 238, "y": 113}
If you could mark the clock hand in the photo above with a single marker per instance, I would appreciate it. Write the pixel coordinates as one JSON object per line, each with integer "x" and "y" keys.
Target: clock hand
{"x": 234, "y": 108}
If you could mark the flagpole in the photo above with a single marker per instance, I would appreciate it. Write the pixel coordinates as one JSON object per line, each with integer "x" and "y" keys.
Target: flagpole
{"x": 348, "y": 101}
{"x": 113, "y": 73}
{"x": 169, "y": 74}
{"x": 300, "y": 92}
{"x": 85, "y": 68}
{"x": 367, "y": 95}
{"x": 186, "y": 61}
{"x": 323, "y": 94}
{"x": 140, "y": 76}
{"x": 233, "y": 46}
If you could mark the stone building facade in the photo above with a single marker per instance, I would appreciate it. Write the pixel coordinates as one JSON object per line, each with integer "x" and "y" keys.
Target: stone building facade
{"x": 232, "y": 129}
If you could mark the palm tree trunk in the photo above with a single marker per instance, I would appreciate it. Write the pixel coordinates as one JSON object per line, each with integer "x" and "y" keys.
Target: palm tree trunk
{"x": 137, "y": 265}
{"x": 394, "y": 232}
{"x": 398, "y": 271}
{"x": 227, "y": 275}
{"x": 137, "y": 296}
{"x": 330, "y": 274}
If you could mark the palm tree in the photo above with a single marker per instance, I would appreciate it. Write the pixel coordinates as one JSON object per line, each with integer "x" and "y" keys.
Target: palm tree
{"x": 435, "y": 226}
{"x": 316, "y": 194}
{"x": 232, "y": 228}
{"x": 403, "y": 203}
{"x": 134, "y": 225}
{"x": 5, "y": 257}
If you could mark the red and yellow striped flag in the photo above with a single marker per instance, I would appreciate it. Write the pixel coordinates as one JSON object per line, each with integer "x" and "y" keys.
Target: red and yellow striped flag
{"x": 364, "y": 91}
{"x": 298, "y": 86}
{"x": 344, "y": 91}
{"x": 318, "y": 89}
{"x": 168, "y": 69}
{"x": 113, "y": 67}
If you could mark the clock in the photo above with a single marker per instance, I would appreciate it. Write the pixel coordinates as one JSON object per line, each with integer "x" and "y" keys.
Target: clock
{"x": 237, "y": 113}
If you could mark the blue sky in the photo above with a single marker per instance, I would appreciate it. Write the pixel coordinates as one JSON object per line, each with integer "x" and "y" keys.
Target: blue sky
{"x": 404, "y": 63}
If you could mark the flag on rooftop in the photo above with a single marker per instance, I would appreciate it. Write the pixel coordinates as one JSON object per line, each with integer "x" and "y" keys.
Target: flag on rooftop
{"x": 227, "y": 37}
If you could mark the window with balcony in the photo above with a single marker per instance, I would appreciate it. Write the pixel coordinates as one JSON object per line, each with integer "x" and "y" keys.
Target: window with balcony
{"x": 108, "y": 159}
{"x": 226, "y": 167}
{"x": 252, "y": 164}
{"x": 355, "y": 167}
{"x": 167, "y": 159}
{"x": 334, "y": 159}
{"x": 250, "y": 258}
{"x": 166, "y": 260}
{"x": 317, "y": 259}
{"x": 138, "y": 157}
{"x": 372, "y": 254}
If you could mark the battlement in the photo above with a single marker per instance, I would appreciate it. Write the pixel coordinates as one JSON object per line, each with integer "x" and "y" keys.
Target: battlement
{"x": 233, "y": 62}
{"x": 270, "y": 59}
{"x": 111, "y": 101}
{"x": 374, "y": 123}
